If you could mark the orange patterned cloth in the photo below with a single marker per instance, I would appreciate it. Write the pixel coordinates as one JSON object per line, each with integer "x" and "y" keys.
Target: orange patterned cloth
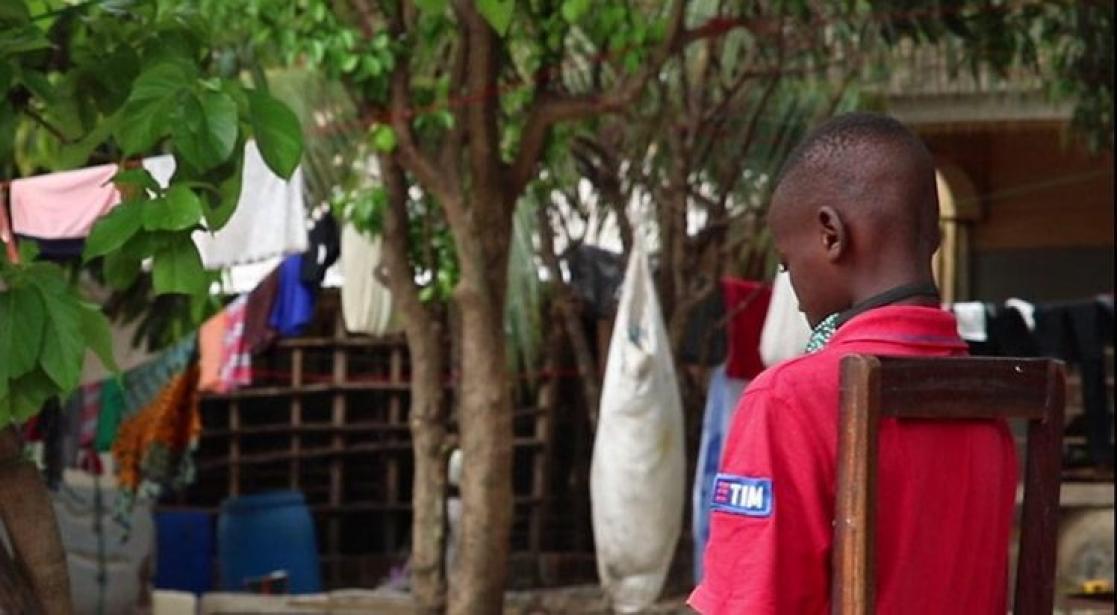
{"x": 152, "y": 447}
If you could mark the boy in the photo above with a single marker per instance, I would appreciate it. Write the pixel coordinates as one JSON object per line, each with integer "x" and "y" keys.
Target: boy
{"x": 855, "y": 222}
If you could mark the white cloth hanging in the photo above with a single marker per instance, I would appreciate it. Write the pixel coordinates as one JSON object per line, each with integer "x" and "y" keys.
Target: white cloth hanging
{"x": 971, "y": 320}
{"x": 366, "y": 303}
{"x": 1027, "y": 311}
{"x": 269, "y": 221}
{"x": 637, "y": 480}
{"x": 786, "y": 332}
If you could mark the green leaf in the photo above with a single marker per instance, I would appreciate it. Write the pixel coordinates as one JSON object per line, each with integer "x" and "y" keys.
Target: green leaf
{"x": 28, "y": 394}
{"x": 178, "y": 268}
{"x": 206, "y": 129}
{"x": 14, "y": 11}
{"x": 140, "y": 124}
{"x": 163, "y": 80}
{"x": 22, "y": 318}
{"x": 39, "y": 85}
{"x": 120, "y": 269}
{"x": 498, "y": 13}
{"x": 98, "y": 336}
{"x": 179, "y": 210}
{"x": 433, "y": 7}
{"x": 136, "y": 178}
{"x": 21, "y": 40}
{"x": 218, "y": 214}
{"x": 114, "y": 230}
{"x": 278, "y": 134}
{"x": 384, "y": 138}
{"x": 63, "y": 345}
{"x": 573, "y": 10}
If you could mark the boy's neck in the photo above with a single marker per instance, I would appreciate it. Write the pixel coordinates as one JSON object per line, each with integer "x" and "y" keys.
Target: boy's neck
{"x": 879, "y": 284}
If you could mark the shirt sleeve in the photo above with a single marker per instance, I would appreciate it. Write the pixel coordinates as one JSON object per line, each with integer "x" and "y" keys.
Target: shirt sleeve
{"x": 769, "y": 552}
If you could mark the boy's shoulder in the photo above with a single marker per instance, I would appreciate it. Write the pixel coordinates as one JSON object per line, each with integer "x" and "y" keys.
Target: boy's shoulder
{"x": 797, "y": 376}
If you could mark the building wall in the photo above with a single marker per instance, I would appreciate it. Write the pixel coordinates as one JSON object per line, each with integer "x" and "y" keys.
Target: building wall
{"x": 1046, "y": 226}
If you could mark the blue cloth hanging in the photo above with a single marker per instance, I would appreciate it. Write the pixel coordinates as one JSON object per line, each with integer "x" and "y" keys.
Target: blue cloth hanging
{"x": 294, "y": 301}
{"x": 721, "y": 400}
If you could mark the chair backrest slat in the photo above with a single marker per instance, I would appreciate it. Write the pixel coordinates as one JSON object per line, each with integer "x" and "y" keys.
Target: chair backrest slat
{"x": 947, "y": 389}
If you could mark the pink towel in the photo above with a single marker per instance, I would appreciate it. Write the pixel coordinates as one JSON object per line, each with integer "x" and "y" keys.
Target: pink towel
{"x": 63, "y": 205}
{"x": 236, "y": 361}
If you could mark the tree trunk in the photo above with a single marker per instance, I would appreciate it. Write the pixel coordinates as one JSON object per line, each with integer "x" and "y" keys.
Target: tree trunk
{"x": 485, "y": 420}
{"x": 428, "y": 421}
{"x": 28, "y": 516}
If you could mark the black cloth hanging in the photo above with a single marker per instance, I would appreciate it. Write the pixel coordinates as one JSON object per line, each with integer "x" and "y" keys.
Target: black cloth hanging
{"x": 324, "y": 246}
{"x": 1077, "y": 332}
{"x": 1006, "y": 333}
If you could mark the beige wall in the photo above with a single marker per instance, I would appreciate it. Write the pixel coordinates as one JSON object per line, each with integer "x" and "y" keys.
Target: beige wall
{"x": 1038, "y": 189}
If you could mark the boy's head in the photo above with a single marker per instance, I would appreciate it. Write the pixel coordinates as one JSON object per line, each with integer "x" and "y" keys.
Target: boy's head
{"x": 855, "y": 212}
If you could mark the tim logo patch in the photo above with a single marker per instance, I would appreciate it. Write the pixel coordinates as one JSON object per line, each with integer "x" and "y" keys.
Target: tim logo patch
{"x": 742, "y": 495}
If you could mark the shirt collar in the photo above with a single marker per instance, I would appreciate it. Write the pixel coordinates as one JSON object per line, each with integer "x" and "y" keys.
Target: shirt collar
{"x": 904, "y": 324}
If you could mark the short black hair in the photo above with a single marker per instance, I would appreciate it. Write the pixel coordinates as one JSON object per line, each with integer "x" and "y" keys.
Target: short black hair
{"x": 842, "y": 133}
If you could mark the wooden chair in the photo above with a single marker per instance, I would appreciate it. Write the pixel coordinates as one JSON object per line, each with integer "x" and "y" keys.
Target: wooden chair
{"x": 947, "y": 389}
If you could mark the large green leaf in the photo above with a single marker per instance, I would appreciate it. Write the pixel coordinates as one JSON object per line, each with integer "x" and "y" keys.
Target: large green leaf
{"x": 143, "y": 120}
{"x": 98, "y": 336}
{"x": 138, "y": 178}
{"x": 21, "y": 329}
{"x": 205, "y": 130}
{"x": 277, "y": 131}
{"x": 178, "y": 268}
{"x": 498, "y": 13}
{"x": 63, "y": 344}
{"x": 120, "y": 269}
{"x": 180, "y": 209}
{"x": 114, "y": 230}
{"x": 28, "y": 394}
{"x": 219, "y": 211}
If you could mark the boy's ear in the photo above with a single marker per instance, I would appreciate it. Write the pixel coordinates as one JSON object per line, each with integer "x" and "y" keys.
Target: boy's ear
{"x": 833, "y": 232}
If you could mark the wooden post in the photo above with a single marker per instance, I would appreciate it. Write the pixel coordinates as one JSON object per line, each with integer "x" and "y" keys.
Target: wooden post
{"x": 296, "y": 416}
{"x": 853, "y": 571}
{"x": 1039, "y": 523}
{"x": 338, "y": 445}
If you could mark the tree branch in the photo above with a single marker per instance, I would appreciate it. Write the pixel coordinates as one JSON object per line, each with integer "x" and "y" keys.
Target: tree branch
{"x": 548, "y": 109}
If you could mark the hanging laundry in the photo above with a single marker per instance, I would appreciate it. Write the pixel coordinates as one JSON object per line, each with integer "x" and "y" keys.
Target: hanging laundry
{"x": 324, "y": 247}
{"x": 63, "y": 205}
{"x": 721, "y": 401}
{"x": 637, "y": 471}
{"x": 257, "y": 333}
{"x": 294, "y": 301}
{"x": 57, "y": 250}
{"x": 71, "y": 429}
{"x": 785, "y": 332}
{"x": 153, "y": 447}
{"x": 1077, "y": 332}
{"x": 111, "y": 414}
{"x": 366, "y": 303}
{"x": 704, "y": 339}
{"x": 211, "y": 344}
{"x": 143, "y": 383}
{"x": 236, "y": 361}
{"x": 270, "y": 218}
{"x": 746, "y": 304}
{"x": 90, "y": 414}
{"x": 1027, "y": 311}
{"x": 971, "y": 320}
{"x": 596, "y": 275}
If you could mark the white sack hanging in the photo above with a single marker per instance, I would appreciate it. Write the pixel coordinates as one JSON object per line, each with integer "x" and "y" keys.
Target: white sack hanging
{"x": 637, "y": 478}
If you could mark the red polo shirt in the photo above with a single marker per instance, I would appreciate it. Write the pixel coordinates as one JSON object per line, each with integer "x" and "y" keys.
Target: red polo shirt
{"x": 945, "y": 491}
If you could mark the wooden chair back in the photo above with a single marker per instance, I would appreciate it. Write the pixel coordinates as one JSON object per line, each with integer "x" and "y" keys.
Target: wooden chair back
{"x": 947, "y": 389}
